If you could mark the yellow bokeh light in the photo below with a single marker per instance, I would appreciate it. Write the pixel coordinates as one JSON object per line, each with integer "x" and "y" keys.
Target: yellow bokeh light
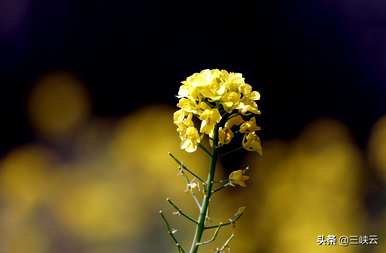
{"x": 58, "y": 104}
{"x": 304, "y": 189}
{"x": 96, "y": 208}
{"x": 142, "y": 142}
{"x": 377, "y": 147}
{"x": 24, "y": 238}
{"x": 110, "y": 190}
{"x": 25, "y": 176}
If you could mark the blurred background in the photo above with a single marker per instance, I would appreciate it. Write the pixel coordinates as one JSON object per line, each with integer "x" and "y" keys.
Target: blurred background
{"x": 87, "y": 95}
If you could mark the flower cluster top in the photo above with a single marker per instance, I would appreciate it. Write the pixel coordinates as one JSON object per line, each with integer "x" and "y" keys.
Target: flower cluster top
{"x": 221, "y": 101}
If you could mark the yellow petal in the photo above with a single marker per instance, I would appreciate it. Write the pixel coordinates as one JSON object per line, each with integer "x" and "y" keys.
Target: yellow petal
{"x": 249, "y": 126}
{"x": 252, "y": 142}
{"x": 225, "y": 135}
{"x": 234, "y": 121}
{"x": 238, "y": 178}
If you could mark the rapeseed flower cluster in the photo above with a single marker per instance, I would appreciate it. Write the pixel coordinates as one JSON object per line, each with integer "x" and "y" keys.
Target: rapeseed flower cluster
{"x": 219, "y": 98}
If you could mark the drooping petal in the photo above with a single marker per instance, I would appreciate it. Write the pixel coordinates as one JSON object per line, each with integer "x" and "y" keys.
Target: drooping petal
{"x": 249, "y": 126}
{"x": 252, "y": 142}
{"x": 237, "y": 177}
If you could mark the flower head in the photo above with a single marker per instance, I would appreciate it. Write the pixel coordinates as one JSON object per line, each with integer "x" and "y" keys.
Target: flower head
{"x": 220, "y": 100}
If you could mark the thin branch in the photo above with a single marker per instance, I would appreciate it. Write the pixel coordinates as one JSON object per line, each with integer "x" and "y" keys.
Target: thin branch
{"x": 196, "y": 200}
{"x": 226, "y": 244}
{"x": 188, "y": 182}
{"x": 171, "y": 233}
{"x": 222, "y": 181}
{"x": 194, "y": 196}
{"x": 180, "y": 211}
{"x": 221, "y": 187}
{"x": 213, "y": 237}
{"x": 185, "y": 168}
{"x": 232, "y": 151}
{"x": 204, "y": 149}
{"x": 232, "y": 220}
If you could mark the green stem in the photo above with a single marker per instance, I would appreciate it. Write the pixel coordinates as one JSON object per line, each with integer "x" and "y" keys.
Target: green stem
{"x": 200, "y": 227}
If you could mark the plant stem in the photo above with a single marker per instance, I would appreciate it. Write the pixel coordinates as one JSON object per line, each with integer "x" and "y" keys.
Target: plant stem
{"x": 200, "y": 227}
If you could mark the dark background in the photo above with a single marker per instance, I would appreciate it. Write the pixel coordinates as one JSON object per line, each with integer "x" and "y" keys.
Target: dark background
{"x": 309, "y": 59}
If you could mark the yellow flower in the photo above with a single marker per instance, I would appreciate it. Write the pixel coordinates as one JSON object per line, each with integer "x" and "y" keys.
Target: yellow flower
{"x": 206, "y": 84}
{"x": 188, "y": 105}
{"x": 247, "y": 105}
{"x": 225, "y": 135}
{"x": 185, "y": 90}
{"x": 213, "y": 92}
{"x": 251, "y": 142}
{"x": 233, "y": 81}
{"x": 185, "y": 127}
{"x": 204, "y": 95}
{"x": 238, "y": 178}
{"x": 209, "y": 118}
{"x": 214, "y": 89}
{"x": 234, "y": 121}
{"x": 245, "y": 89}
{"x": 247, "y": 92}
{"x": 190, "y": 87}
{"x": 190, "y": 139}
{"x": 183, "y": 118}
{"x": 230, "y": 101}
{"x": 205, "y": 78}
{"x": 249, "y": 126}
{"x": 203, "y": 106}
{"x": 179, "y": 116}
{"x": 254, "y": 95}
